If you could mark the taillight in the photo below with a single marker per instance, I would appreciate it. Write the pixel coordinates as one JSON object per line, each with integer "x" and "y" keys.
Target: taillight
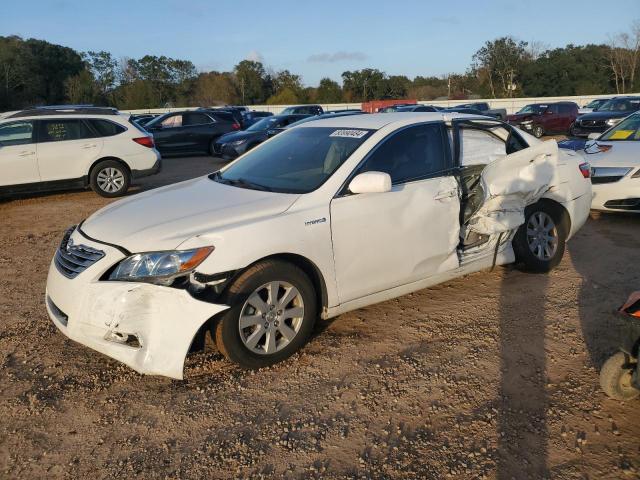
{"x": 144, "y": 141}
{"x": 235, "y": 126}
{"x": 585, "y": 169}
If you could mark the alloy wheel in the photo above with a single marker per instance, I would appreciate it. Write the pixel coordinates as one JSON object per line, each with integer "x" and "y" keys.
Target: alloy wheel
{"x": 110, "y": 180}
{"x": 271, "y": 317}
{"x": 542, "y": 235}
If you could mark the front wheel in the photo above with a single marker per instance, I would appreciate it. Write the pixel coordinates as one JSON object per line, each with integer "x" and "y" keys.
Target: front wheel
{"x": 273, "y": 310}
{"x": 110, "y": 178}
{"x": 616, "y": 377}
{"x": 537, "y": 131}
{"x": 539, "y": 242}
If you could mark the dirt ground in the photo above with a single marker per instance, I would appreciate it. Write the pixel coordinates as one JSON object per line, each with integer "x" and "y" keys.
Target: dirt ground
{"x": 494, "y": 375}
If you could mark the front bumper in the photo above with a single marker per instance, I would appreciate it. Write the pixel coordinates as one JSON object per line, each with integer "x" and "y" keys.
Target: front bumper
{"x": 584, "y": 130}
{"x": 147, "y": 327}
{"x": 227, "y": 151}
{"x": 620, "y": 196}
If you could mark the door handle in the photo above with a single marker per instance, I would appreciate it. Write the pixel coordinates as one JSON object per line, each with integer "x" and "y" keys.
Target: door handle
{"x": 446, "y": 195}
{"x": 89, "y": 145}
{"x": 26, "y": 153}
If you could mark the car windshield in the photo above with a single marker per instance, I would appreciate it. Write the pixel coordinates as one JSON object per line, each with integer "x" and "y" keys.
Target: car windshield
{"x": 534, "y": 108}
{"x": 594, "y": 103}
{"x": 289, "y": 111}
{"x": 296, "y": 161}
{"x": 264, "y": 124}
{"x": 620, "y": 105}
{"x": 628, "y": 129}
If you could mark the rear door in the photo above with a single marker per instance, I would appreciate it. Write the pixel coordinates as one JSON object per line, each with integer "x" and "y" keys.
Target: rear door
{"x": 66, "y": 148}
{"x": 170, "y": 136}
{"x": 201, "y": 129}
{"x": 384, "y": 240}
{"x": 18, "y": 153}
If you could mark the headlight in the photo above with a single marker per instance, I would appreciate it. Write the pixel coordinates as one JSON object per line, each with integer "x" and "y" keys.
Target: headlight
{"x": 159, "y": 267}
{"x": 527, "y": 122}
{"x": 613, "y": 121}
{"x": 237, "y": 143}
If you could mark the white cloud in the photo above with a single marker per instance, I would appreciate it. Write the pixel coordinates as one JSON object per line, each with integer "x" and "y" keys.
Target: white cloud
{"x": 254, "y": 56}
{"x": 337, "y": 57}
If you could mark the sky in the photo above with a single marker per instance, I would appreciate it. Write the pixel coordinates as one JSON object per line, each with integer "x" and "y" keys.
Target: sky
{"x": 314, "y": 39}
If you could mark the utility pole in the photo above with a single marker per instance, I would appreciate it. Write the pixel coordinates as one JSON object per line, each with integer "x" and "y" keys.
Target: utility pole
{"x": 242, "y": 87}
{"x": 449, "y": 87}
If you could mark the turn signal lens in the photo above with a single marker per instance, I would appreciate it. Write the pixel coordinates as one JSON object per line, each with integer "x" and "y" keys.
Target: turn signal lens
{"x": 585, "y": 169}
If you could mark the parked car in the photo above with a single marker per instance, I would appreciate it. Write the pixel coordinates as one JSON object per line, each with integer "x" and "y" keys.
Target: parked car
{"x": 608, "y": 115}
{"x": 484, "y": 107}
{"x": 615, "y": 160}
{"x": 328, "y": 217}
{"x": 142, "y": 119}
{"x": 303, "y": 110}
{"x": 191, "y": 131}
{"x": 593, "y": 105}
{"x": 47, "y": 149}
{"x": 545, "y": 118}
{"x": 394, "y": 108}
{"x": 234, "y": 144}
{"x": 276, "y": 130}
{"x": 251, "y": 117}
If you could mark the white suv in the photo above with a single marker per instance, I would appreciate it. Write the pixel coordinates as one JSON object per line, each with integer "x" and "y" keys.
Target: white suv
{"x": 46, "y": 149}
{"x": 327, "y": 217}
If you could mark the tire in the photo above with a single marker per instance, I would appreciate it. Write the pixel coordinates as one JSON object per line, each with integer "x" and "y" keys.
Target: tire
{"x": 615, "y": 379}
{"x": 211, "y": 149}
{"x": 572, "y": 130}
{"x": 537, "y": 131}
{"x": 267, "y": 326}
{"x": 110, "y": 178}
{"x": 539, "y": 242}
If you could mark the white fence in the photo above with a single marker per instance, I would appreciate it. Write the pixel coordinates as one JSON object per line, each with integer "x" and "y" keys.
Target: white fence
{"x": 512, "y": 105}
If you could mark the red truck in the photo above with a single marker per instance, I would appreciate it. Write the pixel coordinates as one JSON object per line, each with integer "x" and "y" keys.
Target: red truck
{"x": 543, "y": 118}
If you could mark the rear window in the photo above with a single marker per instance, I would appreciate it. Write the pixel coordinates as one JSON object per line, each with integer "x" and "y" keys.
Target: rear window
{"x": 106, "y": 128}
{"x": 223, "y": 117}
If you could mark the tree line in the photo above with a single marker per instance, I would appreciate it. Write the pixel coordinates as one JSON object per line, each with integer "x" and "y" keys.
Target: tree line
{"x": 36, "y": 72}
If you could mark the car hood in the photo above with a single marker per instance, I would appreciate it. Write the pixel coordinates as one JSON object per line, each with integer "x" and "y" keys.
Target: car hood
{"x": 519, "y": 117}
{"x": 163, "y": 218}
{"x": 603, "y": 115}
{"x": 621, "y": 154}
{"x": 235, "y": 136}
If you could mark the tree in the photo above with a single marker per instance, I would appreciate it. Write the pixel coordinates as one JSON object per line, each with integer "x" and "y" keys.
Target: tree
{"x": 624, "y": 51}
{"x": 286, "y": 96}
{"x": 250, "y": 81}
{"x": 81, "y": 88}
{"x": 215, "y": 88}
{"x": 328, "y": 91}
{"x": 104, "y": 69}
{"x": 364, "y": 85}
{"x": 499, "y": 63}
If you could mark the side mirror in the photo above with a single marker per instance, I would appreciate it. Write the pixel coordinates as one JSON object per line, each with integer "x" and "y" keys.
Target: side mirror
{"x": 594, "y": 136}
{"x": 370, "y": 182}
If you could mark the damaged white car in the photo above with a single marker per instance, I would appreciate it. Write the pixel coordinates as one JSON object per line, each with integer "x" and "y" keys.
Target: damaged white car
{"x": 322, "y": 219}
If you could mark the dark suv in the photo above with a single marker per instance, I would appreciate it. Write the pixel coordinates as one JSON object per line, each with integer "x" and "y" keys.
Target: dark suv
{"x": 542, "y": 118}
{"x": 303, "y": 110}
{"x": 192, "y": 131}
{"x": 607, "y": 115}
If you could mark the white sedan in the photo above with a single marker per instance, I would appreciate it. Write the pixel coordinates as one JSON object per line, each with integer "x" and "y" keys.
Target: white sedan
{"x": 615, "y": 160}
{"x": 328, "y": 217}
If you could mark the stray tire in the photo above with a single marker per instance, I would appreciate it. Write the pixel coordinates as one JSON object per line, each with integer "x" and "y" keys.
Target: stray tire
{"x": 110, "y": 178}
{"x": 615, "y": 378}
{"x": 273, "y": 310}
{"x": 540, "y": 241}
{"x": 537, "y": 131}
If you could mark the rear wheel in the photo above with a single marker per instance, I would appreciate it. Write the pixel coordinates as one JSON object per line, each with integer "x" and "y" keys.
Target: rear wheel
{"x": 273, "y": 310}
{"x": 616, "y": 375}
{"x": 572, "y": 130}
{"x": 537, "y": 131}
{"x": 110, "y": 178}
{"x": 539, "y": 242}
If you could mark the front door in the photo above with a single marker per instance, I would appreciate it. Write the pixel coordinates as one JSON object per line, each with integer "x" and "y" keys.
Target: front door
{"x": 384, "y": 240}
{"x": 18, "y": 154}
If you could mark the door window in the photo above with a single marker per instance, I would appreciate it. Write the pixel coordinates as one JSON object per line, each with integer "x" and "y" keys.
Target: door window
{"x": 105, "y": 128}
{"x": 413, "y": 153}
{"x": 16, "y": 133}
{"x": 196, "y": 119}
{"x": 172, "y": 122}
{"x": 63, "y": 130}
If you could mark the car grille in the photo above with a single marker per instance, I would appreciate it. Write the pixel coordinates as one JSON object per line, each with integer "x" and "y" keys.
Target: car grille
{"x": 599, "y": 180}
{"x": 593, "y": 123}
{"x": 217, "y": 148}
{"x": 624, "y": 204}
{"x": 71, "y": 260}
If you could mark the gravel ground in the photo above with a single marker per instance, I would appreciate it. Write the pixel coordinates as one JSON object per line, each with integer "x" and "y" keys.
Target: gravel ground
{"x": 494, "y": 375}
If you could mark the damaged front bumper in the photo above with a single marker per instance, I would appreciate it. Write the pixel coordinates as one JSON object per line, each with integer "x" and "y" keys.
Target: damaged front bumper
{"x": 148, "y": 327}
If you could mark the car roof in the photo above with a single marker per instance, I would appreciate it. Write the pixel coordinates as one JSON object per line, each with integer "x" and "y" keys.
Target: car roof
{"x": 376, "y": 121}
{"x": 119, "y": 117}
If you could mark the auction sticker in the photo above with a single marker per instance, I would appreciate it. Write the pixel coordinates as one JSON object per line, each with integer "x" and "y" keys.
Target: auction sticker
{"x": 349, "y": 133}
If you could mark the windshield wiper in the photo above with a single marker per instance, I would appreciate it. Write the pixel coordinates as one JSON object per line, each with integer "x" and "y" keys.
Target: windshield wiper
{"x": 239, "y": 182}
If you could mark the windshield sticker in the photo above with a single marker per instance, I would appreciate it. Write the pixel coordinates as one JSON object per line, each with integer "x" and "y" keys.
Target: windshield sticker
{"x": 349, "y": 133}
{"x": 621, "y": 134}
